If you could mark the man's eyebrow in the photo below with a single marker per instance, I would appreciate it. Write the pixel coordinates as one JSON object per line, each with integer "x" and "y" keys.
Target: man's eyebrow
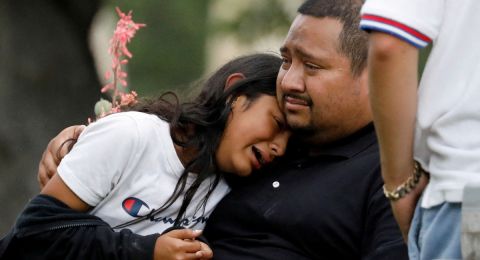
{"x": 300, "y": 51}
{"x": 305, "y": 54}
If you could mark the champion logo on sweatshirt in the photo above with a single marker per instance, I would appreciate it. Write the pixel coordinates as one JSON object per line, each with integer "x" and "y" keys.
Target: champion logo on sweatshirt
{"x": 135, "y": 207}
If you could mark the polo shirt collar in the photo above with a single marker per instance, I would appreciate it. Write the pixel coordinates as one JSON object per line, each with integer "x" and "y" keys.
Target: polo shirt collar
{"x": 348, "y": 146}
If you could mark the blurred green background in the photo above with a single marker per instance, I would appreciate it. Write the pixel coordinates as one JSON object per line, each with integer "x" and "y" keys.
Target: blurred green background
{"x": 53, "y": 55}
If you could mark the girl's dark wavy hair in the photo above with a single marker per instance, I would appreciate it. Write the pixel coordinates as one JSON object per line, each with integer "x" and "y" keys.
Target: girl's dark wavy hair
{"x": 200, "y": 123}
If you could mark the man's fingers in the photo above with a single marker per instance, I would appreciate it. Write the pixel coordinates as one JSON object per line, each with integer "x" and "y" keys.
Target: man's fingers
{"x": 63, "y": 149}
{"x": 65, "y": 140}
{"x": 78, "y": 130}
{"x": 61, "y": 144}
{"x": 56, "y": 149}
{"x": 42, "y": 176}
{"x": 46, "y": 168}
{"x": 50, "y": 163}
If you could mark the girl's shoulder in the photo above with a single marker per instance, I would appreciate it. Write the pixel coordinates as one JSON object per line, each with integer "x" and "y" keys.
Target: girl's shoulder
{"x": 134, "y": 117}
{"x": 126, "y": 127}
{"x": 125, "y": 121}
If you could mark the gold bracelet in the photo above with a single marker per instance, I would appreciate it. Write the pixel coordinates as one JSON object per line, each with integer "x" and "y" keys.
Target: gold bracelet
{"x": 407, "y": 186}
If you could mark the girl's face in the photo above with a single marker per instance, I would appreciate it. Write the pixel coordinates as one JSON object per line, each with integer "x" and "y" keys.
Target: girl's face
{"x": 255, "y": 134}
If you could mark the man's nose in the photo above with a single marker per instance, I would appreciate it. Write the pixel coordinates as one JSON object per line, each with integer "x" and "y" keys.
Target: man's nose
{"x": 292, "y": 80}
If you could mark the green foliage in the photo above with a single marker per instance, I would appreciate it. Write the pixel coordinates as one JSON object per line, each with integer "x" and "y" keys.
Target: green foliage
{"x": 170, "y": 52}
{"x": 102, "y": 107}
{"x": 262, "y": 18}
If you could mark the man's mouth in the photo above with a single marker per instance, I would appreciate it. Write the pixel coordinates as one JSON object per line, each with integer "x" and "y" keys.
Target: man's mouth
{"x": 294, "y": 103}
{"x": 296, "y": 100}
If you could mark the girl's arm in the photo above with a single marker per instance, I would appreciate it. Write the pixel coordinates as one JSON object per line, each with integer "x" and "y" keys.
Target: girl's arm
{"x": 50, "y": 229}
{"x": 59, "y": 190}
{"x": 175, "y": 244}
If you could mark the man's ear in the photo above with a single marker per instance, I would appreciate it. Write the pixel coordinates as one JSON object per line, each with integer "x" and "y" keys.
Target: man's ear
{"x": 233, "y": 78}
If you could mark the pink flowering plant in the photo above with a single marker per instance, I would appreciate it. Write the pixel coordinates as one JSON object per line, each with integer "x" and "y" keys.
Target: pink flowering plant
{"x": 117, "y": 76}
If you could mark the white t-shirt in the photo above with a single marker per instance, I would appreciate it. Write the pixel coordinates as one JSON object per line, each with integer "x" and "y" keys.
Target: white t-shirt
{"x": 447, "y": 135}
{"x": 125, "y": 165}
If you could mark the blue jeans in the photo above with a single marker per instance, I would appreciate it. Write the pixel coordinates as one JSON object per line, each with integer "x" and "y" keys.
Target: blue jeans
{"x": 435, "y": 233}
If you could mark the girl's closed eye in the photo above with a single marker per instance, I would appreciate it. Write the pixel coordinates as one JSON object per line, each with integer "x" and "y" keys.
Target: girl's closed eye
{"x": 280, "y": 122}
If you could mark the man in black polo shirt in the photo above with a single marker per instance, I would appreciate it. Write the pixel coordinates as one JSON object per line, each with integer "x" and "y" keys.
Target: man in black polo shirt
{"x": 324, "y": 200}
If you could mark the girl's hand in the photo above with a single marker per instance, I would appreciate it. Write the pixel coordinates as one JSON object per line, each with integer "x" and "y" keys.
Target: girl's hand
{"x": 181, "y": 244}
{"x": 207, "y": 253}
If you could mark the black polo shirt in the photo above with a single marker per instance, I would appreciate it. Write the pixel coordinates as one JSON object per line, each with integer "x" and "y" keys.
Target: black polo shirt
{"x": 330, "y": 206}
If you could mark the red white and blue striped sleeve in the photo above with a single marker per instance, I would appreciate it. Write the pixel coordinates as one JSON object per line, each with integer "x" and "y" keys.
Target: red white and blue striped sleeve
{"x": 371, "y": 22}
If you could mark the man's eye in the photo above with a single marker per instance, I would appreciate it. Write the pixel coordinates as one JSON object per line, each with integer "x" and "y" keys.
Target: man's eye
{"x": 285, "y": 63}
{"x": 312, "y": 66}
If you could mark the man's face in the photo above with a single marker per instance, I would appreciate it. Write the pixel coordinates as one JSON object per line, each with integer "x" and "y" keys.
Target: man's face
{"x": 315, "y": 86}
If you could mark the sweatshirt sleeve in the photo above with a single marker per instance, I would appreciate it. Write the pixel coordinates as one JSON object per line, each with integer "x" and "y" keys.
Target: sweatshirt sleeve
{"x": 48, "y": 229}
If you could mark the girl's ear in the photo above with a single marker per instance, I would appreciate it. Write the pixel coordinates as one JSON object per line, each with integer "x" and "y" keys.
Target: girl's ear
{"x": 233, "y": 78}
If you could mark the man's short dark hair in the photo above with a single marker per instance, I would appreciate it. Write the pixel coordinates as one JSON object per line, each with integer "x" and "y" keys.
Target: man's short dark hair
{"x": 353, "y": 41}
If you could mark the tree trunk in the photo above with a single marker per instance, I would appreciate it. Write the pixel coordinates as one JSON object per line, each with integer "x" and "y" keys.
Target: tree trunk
{"x": 47, "y": 82}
